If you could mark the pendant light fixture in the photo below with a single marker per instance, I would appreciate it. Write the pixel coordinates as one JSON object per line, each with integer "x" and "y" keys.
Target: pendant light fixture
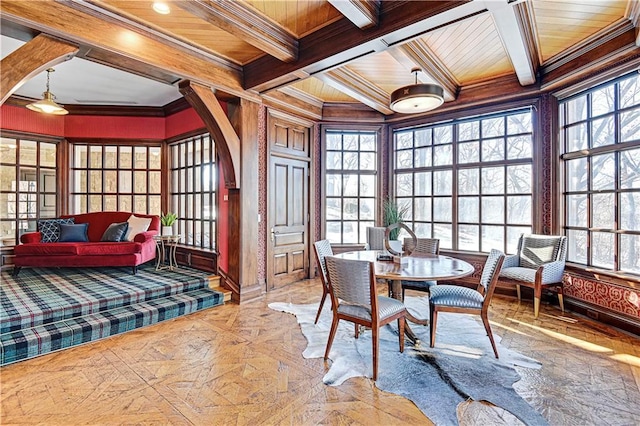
{"x": 47, "y": 105}
{"x": 417, "y": 97}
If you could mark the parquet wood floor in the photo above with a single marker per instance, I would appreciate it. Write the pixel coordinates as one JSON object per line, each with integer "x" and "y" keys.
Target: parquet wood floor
{"x": 243, "y": 365}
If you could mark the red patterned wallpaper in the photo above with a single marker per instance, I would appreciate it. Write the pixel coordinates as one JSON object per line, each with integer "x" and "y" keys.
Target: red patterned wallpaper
{"x": 616, "y": 298}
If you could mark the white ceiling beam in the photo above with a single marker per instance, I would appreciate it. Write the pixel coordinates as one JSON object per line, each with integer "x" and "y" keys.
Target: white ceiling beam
{"x": 363, "y": 13}
{"x": 514, "y": 38}
{"x": 358, "y": 88}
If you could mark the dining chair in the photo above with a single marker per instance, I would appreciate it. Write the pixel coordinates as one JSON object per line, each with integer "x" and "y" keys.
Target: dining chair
{"x": 423, "y": 247}
{"x": 375, "y": 237}
{"x": 538, "y": 263}
{"x": 354, "y": 298}
{"x": 464, "y": 300}
{"x": 322, "y": 249}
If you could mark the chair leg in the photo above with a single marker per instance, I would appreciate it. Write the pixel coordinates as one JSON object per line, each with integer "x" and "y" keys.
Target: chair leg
{"x": 324, "y": 296}
{"x": 374, "y": 342}
{"x": 401, "y": 322}
{"x": 487, "y": 327}
{"x": 357, "y": 331}
{"x": 16, "y": 270}
{"x": 518, "y": 291}
{"x": 432, "y": 323}
{"x": 561, "y": 299}
{"x": 332, "y": 334}
{"x": 537, "y": 294}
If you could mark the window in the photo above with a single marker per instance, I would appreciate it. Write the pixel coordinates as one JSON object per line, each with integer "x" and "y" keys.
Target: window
{"x": 193, "y": 190}
{"x": 115, "y": 178}
{"x": 28, "y": 187}
{"x": 600, "y": 136}
{"x": 351, "y": 185}
{"x": 467, "y": 182}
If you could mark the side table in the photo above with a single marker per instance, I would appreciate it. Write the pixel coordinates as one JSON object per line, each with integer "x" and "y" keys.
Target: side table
{"x": 166, "y": 248}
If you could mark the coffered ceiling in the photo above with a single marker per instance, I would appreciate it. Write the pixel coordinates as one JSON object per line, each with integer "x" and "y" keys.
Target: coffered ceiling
{"x": 317, "y": 51}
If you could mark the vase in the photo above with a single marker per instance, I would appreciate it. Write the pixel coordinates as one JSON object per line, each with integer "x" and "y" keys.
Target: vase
{"x": 167, "y": 230}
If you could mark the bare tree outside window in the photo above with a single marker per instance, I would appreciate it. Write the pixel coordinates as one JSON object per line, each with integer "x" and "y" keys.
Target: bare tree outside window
{"x": 600, "y": 135}
{"x": 468, "y": 182}
{"x": 351, "y": 159}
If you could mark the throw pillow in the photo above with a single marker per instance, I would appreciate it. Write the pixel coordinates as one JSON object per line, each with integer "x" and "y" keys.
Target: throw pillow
{"x": 115, "y": 232}
{"x": 136, "y": 226}
{"x": 73, "y": 233}
{"x": 50, "y": 228}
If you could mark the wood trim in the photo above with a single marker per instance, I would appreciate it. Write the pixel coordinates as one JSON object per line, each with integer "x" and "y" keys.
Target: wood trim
{"x": 245, "y": 23}
{"x": 31, "y": 59}
{"x": 203, "y": 100}
{"x": 284, "y": 100}
{"x": 363, "y": 13}
{"x": 115, "y": 141}
{"x": 350, "y": 113}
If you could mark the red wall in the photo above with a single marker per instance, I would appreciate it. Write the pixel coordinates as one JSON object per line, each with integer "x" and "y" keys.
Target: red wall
{"x": 114, "y": 127}
{"x": 25, "y": 120}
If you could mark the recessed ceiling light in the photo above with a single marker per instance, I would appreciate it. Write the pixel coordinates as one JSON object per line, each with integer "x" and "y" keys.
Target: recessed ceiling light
{"x": 161, "y": 8}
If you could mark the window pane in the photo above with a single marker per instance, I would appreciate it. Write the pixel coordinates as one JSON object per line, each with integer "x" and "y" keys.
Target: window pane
{"x": 630, "y": 169}
{"x": 442, "y": 155}
{"x": 519, "y": 179}
{"x": 602, "y": 250}
{"x": 630, "y": 125}
{"x": 493, "y": 150}
{"x": 442, "y": 209}
{"x": 110, "y": 157}
{"x": 28, "y": 153}
{"x": 47, "y": 155}
{"x": 577, "y": 138}
{"x": 603, "y": 132}
{"x": 423, "y": 184}
{"x": 422, "y": 157}
{"x": 469, "y": 237}
{"x": 468, "y": 152}
{"x": 8, "y": 148}
{"x": 423, "y": 137}
{"x": 519, "y": 147}
{"x": 577, "y": 174}
{"x": 602, "y": 211}
{"x": 576, "y": 207}
{"x": 404, "y": 159}
{"x": 577, "y": 109}
{"x": 630, "y": 253}
{"x": 492, "y": 237}
{"x": 404, "y": 140}
{"x": 350, "y": 161}
{"x": 367, "y": 186}
{"x": 630, "y": 211}
{"x": 422, "y": 209}
{"x": 469, "y": 130}
{"x": 492, "y": 127}
{"x": 442, "y": 182}
{"x": 468, "y": 209}
{"x": 603, "y": 172}
{"x": 444, "y": 233}
{"x": 493, "y": 209}
{"x": 493, "y": 180}
{"x": 519, "y": 123}
{"x": 468, "y": 181}
{"x": 602, "y": 101}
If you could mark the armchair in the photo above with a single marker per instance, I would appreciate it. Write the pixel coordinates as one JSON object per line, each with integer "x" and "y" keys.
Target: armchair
{"x": 539, "y": 262}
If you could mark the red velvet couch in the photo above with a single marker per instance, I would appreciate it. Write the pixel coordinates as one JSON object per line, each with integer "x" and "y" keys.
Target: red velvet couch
{"x": 34, "y": 253}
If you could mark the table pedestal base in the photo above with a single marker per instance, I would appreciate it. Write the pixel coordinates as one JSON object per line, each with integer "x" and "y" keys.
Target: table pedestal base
{"x": 396, "y": 293}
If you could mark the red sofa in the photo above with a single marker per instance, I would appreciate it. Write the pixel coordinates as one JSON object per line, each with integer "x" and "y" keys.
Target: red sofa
{"x": 34, "y": 253}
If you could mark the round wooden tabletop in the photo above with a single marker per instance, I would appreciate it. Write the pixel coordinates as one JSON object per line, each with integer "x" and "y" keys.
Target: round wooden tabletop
{"x": 423, "y": 268}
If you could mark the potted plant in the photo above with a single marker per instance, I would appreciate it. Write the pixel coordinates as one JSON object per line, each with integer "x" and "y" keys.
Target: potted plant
{"x": 393, "y": 213}
{"x": 167, "y": 220}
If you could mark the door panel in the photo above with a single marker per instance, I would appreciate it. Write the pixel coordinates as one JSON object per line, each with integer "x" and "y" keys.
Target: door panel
{"x": 288, "y": 206}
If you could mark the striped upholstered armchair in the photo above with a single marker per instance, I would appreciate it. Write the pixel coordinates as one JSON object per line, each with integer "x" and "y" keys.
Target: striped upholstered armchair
{"x": 539, "y": 262}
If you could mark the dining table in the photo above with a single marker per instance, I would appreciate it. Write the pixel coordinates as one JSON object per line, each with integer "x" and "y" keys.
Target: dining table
{"x": 412, "y": 268}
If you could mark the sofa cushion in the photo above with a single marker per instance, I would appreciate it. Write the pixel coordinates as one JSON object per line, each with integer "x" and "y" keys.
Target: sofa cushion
{"x": 115, "y": 232}
{"x": 36, "y": 249}
{"x": 136, "y": 226}
{"x": 50, "y": 228}
{"x": 73, "y": 233}
{"x": 112, "y": 249}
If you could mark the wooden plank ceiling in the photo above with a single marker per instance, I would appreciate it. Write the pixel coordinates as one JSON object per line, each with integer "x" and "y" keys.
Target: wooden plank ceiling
{"x": 336, "y": 50}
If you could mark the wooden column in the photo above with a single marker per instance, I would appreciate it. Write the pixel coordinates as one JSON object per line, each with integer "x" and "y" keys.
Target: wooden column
{"x": 243, "y": 204}
{"x": 30, "y": 60}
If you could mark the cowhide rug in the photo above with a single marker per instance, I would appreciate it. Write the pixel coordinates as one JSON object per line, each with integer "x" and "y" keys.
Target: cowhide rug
{"x": 460, "y": 367}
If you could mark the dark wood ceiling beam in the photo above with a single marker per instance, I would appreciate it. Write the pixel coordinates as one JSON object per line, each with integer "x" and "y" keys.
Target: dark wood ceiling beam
{"x": 67, "y": 23}
{"x": 30, "y": 60}
{"x": 417, "y": 54}
{"x": 358, "y": 88}
{"x": 363, "y": 13}
{"x": 341, "y": 42}
{"x": 516, "y": 39}
{"x": 245, "y": 23}
{"x": 204, "y": 101}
